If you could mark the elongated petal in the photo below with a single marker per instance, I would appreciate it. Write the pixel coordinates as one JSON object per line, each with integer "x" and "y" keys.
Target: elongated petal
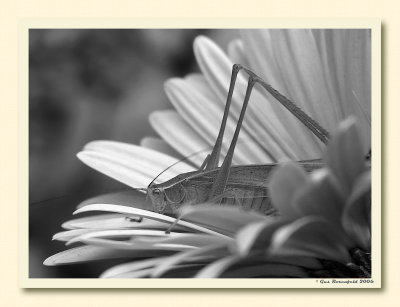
{"x": 264, "y": 124}
{"x": 201, "y": 254}
{"x": 126, "y": 197}
{"x": 131, "y": 267}
{"x": 65, "y": 236}
{"x": 131, "y": 152}
{"x": 160, "y": 145}
{"x": 357, "y": 213}
{"x": 196, "y": 239}
{"x": 91, "y": 253}
{"x": 311, "y": 236}
{"x": 216, "y": 268}
{"x": 259, "y": 49}
{"x": 225, "y": 219}
{"x": 134, "y": 176}
{"x": 143, "y": 273}
{"x": 179, "y": 135}
{"x": 236, "y": 52}
{"x": 287, "y": 179}
{"x": 248, "y": 150}
{"x": 114, "y": 239}
{"x": 321, "y": 196}
{"x": 122, "y": 233}
{"x": 181, "y": 271}
{"x": 346, "y": 56}
{"x": 147, "y": 239}
{"x": 133, "y": 165}
{"x": 345, "y": 154}
{"x": 298, "y": 58}
{"x": 235, "y": 267}
{"x": 256, "y": 236}
{"x": 106, "y": 221}
{"x": 204, "y": 115}
{"x": 144, "y": 213}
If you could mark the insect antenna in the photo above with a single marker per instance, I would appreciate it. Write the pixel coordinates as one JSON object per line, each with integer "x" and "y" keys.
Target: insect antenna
{"x": 190, "y": 156}
{"x": 179, "y": 161}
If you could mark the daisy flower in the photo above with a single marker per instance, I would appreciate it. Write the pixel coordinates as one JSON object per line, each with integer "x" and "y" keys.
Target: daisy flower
{"x": 327, "y": 74}
{"x": 323, "y": 228}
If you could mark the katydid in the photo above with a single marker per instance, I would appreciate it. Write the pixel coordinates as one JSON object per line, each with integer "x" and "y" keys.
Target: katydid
{"x": 245, "y": 186}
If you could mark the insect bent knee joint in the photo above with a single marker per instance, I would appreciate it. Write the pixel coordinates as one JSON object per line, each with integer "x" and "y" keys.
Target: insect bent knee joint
{"x": 237, "y": 67}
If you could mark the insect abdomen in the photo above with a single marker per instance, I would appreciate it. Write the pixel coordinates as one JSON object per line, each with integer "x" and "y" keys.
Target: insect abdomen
{"x": 248, "y": 198}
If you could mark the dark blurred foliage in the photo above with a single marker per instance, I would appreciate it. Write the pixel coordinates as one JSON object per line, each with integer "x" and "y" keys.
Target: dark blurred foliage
{"x": 86, "y": 85}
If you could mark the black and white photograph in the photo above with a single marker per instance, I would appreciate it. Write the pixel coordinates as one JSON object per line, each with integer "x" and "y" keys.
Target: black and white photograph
{"x": 201, "y": 153}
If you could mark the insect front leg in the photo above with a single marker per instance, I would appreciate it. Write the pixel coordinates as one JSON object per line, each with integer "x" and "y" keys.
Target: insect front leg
{"x": 133, "y": 219}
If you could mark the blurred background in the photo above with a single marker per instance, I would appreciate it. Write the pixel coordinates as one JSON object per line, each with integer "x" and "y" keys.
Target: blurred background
{"x": 88, "y": 85}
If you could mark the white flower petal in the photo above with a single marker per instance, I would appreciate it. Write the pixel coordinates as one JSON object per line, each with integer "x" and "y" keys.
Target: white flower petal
{"x": 111, "y": 239}
{"x": 235, "y": 267}
{"x": 196, "y": 239}
{"x": 225, "y": 219}
{"x": 256, "y": 236}
{"x": 131, "y": 267}
{"x": 181, "y": 271}
{"x": 263, "y": 124}
{"x": 133, "y": 165}
{"x": 65, "y": 236}
{"x": 103, "y": 221}
{"x": 147, "y": 214}
{"x": 133, "y": 152}
{"x": 216, "y": 268}
{"x": 321, "y": 196}
{"x": 311, "y": 236}
{"x": 179, "y": 135}
{"x": 260, "y": 53}
{"x": 346, "y": 56}
{"x": 160, "y": 145}
{"x": 236, "y": 52}
{"x": 356, "y": 218}
{"x": 345, "y": 154}
{"x": 204, "y": 116}
{"x": 201, "y": 254}
{"x": 143, "y": 273}
{"x": 299, "y": 61}
{"x": 111, "y": 166}
{"x": 286, "y": 180}
{"x": 126, "y": 197}
{"x": 91, "y": 253}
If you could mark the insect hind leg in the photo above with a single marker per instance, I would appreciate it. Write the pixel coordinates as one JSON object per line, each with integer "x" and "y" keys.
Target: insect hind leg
{"x": 320, "y": 132}
{"x": 220, "y": 182}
